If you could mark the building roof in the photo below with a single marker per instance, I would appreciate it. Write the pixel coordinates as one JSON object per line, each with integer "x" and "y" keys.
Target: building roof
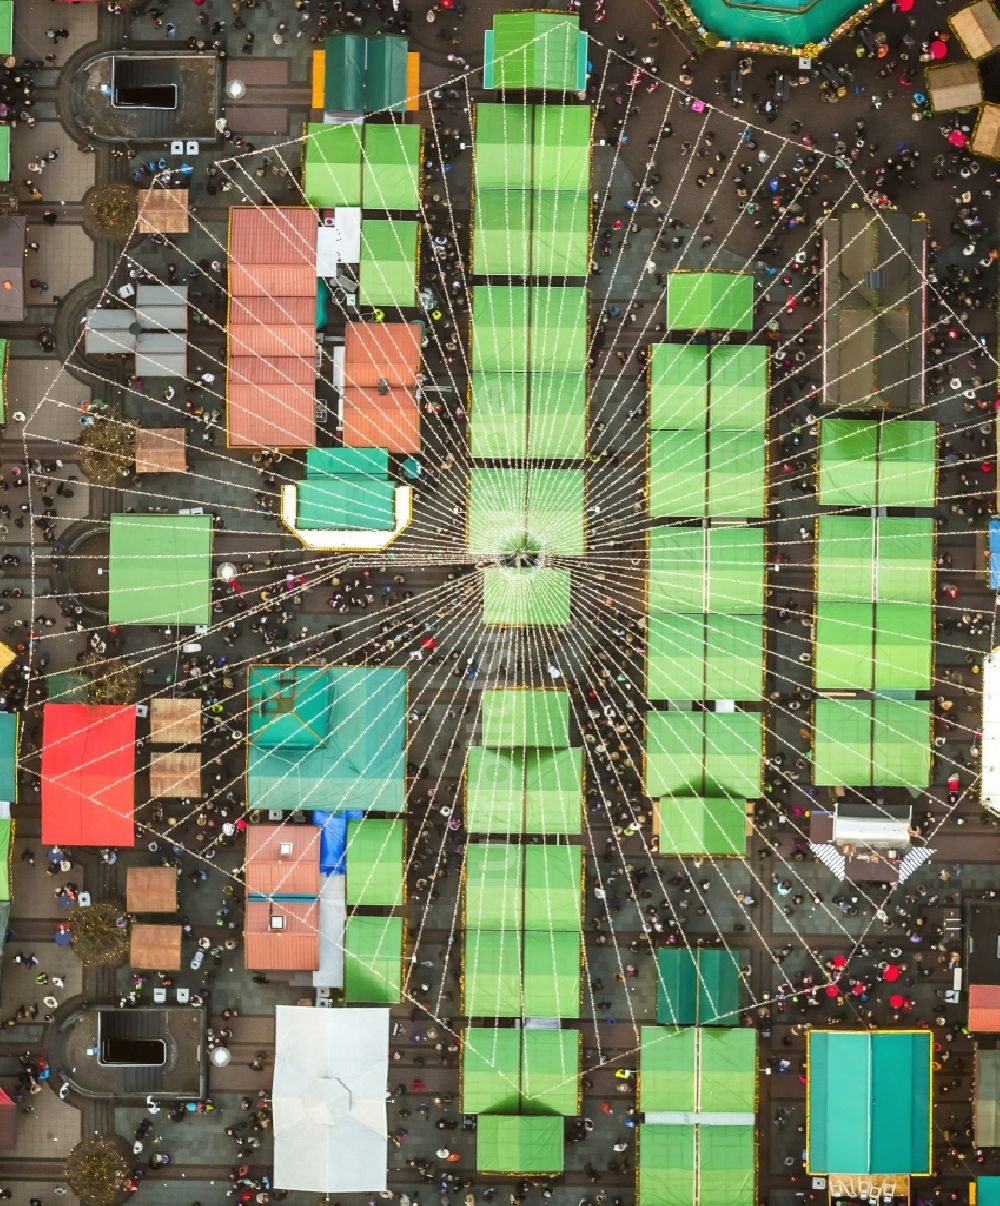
{"x": 869, "y": 1102}
{"x": 155, "y": 947}
{"x": 330, "y": 1073}
{"x": 161, "y": 450}
{"x": 174, "y": 774}
{"x": 271, "y": 353}
{"x": 160, "y": 569}
{"x": 292, "y": 946}
{"x": 174, "y": 721}
{"x": 88, "y": 768}
{"x": 282, "y": 861}
{"x": 151, "y": 890}
{"x": 381, "y": 361}
{"x": 163, "y": 211}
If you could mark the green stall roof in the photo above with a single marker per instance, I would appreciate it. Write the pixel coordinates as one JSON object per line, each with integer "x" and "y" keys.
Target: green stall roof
{"x": 390, "y": 171}
{"x": 560, "y": 234}
{"x": 736, "y": 474}
{"x": 844, "y": 646}
{"x": 545, "y": 506}
{"x": 375, "y": 861}
{"x": 499, "y": 329}
{"x": 905, "y": 560}
{"x": 6, "y": 26}
{"x": 333, "y": 164}
{"x": 525, "y": 717}
{"x": 385, "y": 74}
{"x": 551, "y": 979}
{"x": 667, "y": 1166}
{"x": 867, "y": 463}
{"x": 706, "y": 569}
{"x": 519, "y": 1143}
{"x": 557, "y": 421}
{"x": 904, "y": 644}
{"x": 352, "y": 503}
{"x": 534, "y": 50}
{"x": 344, "y": 84}
{"x": 698, "y": 986}
{"x": 5, "y": 844}
{"x": 493, "y": 886}
{"x": 503, "y": 146}
{"x": 338, "y": 747}
{"x": 845, "y": 558}
{"x": 520, "y": 597}
{"x": 703, "y": 754}
{"x": 561, "y": 149}
{"x": 675, "y": 657}
{"x": 160, "y": 569}
{"x": 726, "y": 1160}
{"x": 373, "y": 949}
{"x": 552, "y": 885}
{"x": 694, "y": 825}
{"x": 501, "y": 233}
{"x": 907, "y": 464}
{"x": 550, "y": 1072}
{"x": 667, "y": 1068}
{"x": 710, "y": 301}
{"x": 553, "y": 791}
{"x": 848, "y": 462}
{"x": 678, "y": 386}
{"x": 697, "y": 1070}
{"x": 866, "y": 743}
{"x": 734, "y": 657}
{"x": 524, "y": 791}
{"x": 494, "y": 790}
{"x": 558, "y": 332}
{"x": 8, "y": 757}
{"x": 987, "y": 1191}
{"x": 492, "y": 973}
{"x": 491, "y": 1076}
{"x": 677, "y": 471}
{"x": 727, "y": 1070}
{"x": 498, "y": 415}
{"x": 388, "y": 268}
{"x": 5, "y": 154}
{"x": 335, "y": 462}
{"x": 868, "y": 1106}
{"x": 739, "y": 387}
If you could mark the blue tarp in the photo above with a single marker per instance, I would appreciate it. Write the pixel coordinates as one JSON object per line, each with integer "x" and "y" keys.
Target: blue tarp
{"x": 333, "y": 840}
{"x": 995, "y": 554}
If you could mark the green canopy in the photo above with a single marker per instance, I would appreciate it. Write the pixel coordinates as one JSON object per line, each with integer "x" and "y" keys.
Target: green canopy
{"x": 492, "y": 973}
{"x": 675, "y": 657}
{"x": 520, "y": 597}
{"x": 739, "y": 387}
{"x": 519, "y": 1143}
{"x": 525, "y": 717}
{"x": 6, "y": 26}
{"x": 385, "y": 74}
{"x": 907, "y": 475}
{"x": 703, "y": 753}
{"x": 561, "y": 150}
{"x": 553, "y": 876}
{"x": 533, "y": 50}
{"x": 904, "y": 646}
{"x": 905, "y": 560}
{"x": 678, "y": 386}
{"x": 493, "y": 886}
{"x": 345, "y": 58}
{"x": 524, "y": 791}
{"x": 869, "y": 1102}
{"x": 390, "y": 171}
{"x": 348, "y": 503}
{"x": 736, "y": 474}
{"x": 668, "y": 1059}
{"x": 553, "y": 791}
{"x": 706, "y": 569}
{"x": 866, "y": 743}
{"x": 503, "y": 147}
{"x": 694, "y": 825}
{"x": 558, "y": 332}
{"x": 333, "y": 164}
{"x": 375, "y": 861}
{"x": 373, "y": 948}
{"x": 716, "y": 301}
{"x": 494, "y": 790}
{"x": 8, "y": 757}
{"x": 498, "y": 415}
{"x": 550, "y": 1069}
{"x": 551, "y": 978}
{"x": 734, "y": 657}
{"x": 501, "y": 233}
{"x": 5, "y": 154}
{"x": 677, "y": 473}
{"x": 845, "y": 558}
{"x": 844, "y": 646}
{"x": 499, "y": 334}
{"x": 557, "y": 421}
{"x": 6, "y": 834}
{"x": 868, "y": 463}
{"x": 560, "y": 234}
{"x": 509, "y": 508}
{"x": 699, "y": 986}
{"x": 388, "y": 262}
{"x": 490, "y": 1070}
{"x": 160, "y": 570}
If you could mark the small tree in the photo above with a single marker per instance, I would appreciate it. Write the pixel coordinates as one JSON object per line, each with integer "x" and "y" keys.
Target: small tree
{"x": 107, "y": 450}
{"x": 113, "y": 681}
{"x": 96, "y": 1171}
{"x": 114, "y": 208}
{"x": 99, "y": 933}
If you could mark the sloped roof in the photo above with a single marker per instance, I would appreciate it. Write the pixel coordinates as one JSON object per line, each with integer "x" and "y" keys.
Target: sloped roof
{"x": 155, "y": 947}
{"x": 161, "y": 450}
{"x": 151, "y": 890}
{"x": 274, "y": 871}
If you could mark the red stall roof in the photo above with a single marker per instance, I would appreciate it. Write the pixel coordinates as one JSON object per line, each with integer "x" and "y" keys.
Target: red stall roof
{"x": 373, "y": 353}
{"x": 88, "y": 775}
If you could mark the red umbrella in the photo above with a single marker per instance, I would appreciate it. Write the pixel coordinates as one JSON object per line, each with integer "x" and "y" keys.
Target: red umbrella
{"x": 858, "y": 989}
{"x": 839, "y": 960}
{"x": 957, "y": 139}
{"x": 891, "y": 973}
{"x": 938, "y": 49}
{"x": 904, "y": 6}
{"x": 832, "y": 990}
{"x": 896, "y": 1001}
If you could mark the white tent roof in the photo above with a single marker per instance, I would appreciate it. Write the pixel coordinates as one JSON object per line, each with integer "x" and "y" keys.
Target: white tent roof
{"x": 331, "y": 1068}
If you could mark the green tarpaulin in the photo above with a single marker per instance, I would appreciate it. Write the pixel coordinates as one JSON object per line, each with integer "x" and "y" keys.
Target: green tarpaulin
{"x": 333, "y": 165}
{"x": 677, "y": 474}
{"x": 494, "y": 790}
{"x": 385, "y": 74}
{"x": 160, "y": 570}
{"x": 6, "y": 26}
{"x": 553, "y": 791}
{"x": 698, "y": 986}
{"x": 524, "y": 791}
{"x": 492, "y": 973}
{"x": 375, "y": 862}
{"x": 498, "y": 415}
{"x": 4, "y": 154}
{"x": 667, "y": 1166}
{"x": 519, "y": 597}
{"x": 390, "y": 172}
{"x": 869, "y": 1097}
{"x": 493, "y": 886}
{"x": 346, "y": 55}
{"x": 678, "y": 386}
{"x": 557, "y": 419}
{"x": 560, "y": 234}
{"x": 553, "y": 876}
{"x": 349, "y": 503}
{"x": 708, "y": 754}
{"x": 551, "y": 977}
{"x": 519, "y": 1143}
{"x": 867, "y": 463}
{"x": 865, "y": 743}
{"x": 365, "y": 74}
{"x": 525, "y": 717}
{"x": 717, "y": 301}
{"x": 491, "y": 1075}
{"x": 668, "y": 1063}
{"x": 739, "y": 387}
{"x": 499, "y": 332}
{"x": 704, "y": 657}
{"x": 512, "y": 510}
{"x": 501, "y": 233}
{"x": 503, "y": 146}
{"x": 373, "y": 949}
{"x": 5, "y": 852}
{"x": 550, "y": 1071}
{"x": 736, "y": 474}
{"x": 706, "y": 569}
{"x": 561, "y": 149}
{"x": 534, "y": 50}
{"x": 388, "y": 270}
{"x": 558, "y": 331}
{"x": 694, "y": 825}
{"x": 8, "y": 756}
{"x": 327, "y": 738}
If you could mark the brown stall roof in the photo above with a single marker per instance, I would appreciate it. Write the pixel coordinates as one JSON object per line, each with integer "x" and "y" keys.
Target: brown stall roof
{"x": 175, "y": 774}
{"x": 294, "y": 947}
{"x": 175, "y": 721}
{"x": 271, "y": 377}
{"x": 977, "y": 27}
{"x": 954, "y": 86}
{"x": 986, "y": 136}
{"x": 283, "y": 860}
{"x": 163, "y": 211}
{"x": 374, "y": 420}
{"x": 161, "y": 450}
{"x": 155, "y": 947}
{"x": 387, "y": 355}
{"x": 151, "y": 890}
{"x": 373, "y": 350}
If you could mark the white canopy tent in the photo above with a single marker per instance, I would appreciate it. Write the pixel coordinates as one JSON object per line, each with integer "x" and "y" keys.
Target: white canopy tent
{"x": 331, "y": 1068}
